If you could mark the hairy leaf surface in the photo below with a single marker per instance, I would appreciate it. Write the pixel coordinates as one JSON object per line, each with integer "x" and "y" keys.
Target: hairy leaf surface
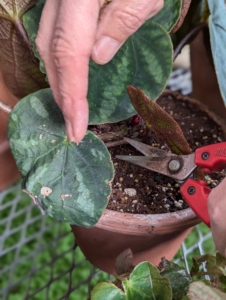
{"x": 71, "y": 181}
{"x": 145, "y": 60}
{"x": 17, "y": 62}
{"x": 178, "y": 278}
{"x": 160, "y": 121}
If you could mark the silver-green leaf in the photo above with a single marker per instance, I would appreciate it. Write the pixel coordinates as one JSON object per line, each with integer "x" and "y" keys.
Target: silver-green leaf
{"x": 70, "y": 181}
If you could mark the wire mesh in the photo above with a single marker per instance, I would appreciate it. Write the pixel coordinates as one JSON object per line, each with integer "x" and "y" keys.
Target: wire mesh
{"x": 39, "y": 258}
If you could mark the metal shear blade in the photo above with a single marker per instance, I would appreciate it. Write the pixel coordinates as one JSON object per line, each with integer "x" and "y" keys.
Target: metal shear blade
{"x": 178, "y": 167}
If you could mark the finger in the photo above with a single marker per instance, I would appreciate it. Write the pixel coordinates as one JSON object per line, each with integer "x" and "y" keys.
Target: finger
{"x": 44, "y": 43}
{"x": 118, "y": 21}
{"x": 72, "y": 45}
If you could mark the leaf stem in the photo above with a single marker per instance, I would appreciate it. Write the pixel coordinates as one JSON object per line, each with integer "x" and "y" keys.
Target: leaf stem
{"x": 185, "y": 40}
{"x": 5, "y": 107}
{"x": 115, "y": 143}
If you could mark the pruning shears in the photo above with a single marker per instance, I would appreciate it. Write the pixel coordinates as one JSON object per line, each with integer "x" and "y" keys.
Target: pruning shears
{"x": 181, "y": 168}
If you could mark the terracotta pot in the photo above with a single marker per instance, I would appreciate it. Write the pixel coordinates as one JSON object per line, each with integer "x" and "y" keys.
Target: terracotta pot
{"x": 149, "y": 236}
{"x": 8, "y": 170}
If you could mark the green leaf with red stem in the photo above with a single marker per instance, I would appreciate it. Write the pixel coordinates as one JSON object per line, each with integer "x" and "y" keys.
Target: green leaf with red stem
{"x": 160, "y": 121}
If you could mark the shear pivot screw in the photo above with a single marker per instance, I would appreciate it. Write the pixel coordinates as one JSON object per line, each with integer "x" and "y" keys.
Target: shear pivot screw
{"x": 191, "y": 190}
{"x": 205, "y": 155}
{"x": 174, "y": 165}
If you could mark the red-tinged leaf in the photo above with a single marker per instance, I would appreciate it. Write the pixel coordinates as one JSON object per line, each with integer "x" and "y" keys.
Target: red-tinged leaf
{"x": 184, "y": 10}
{"x": 124, "y": 262}
{"x": 19, "y": 66}
{"x": 160, "y": 121}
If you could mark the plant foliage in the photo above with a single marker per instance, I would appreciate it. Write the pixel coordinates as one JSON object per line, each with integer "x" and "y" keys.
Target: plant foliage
{"x": 71, "y": 182}
{"x": 145, "y": 281}
{"x": 138, "y": 62}
{"x": 17, "y": 62}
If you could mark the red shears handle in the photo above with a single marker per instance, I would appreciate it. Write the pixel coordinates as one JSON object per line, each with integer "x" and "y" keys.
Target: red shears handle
{"x": 195, "y": 193}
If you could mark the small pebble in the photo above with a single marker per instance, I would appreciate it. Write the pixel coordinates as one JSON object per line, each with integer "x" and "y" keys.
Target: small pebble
{"x": 176, "y": 185}
{"x": 201, "y": 130}
{"x": 219, "y": 139}
{"x": 121, "y": 210}
{"x": 178, "y": 204}
{"x": 169, "y": 185}
{"x": 136, "y": 180}
{"x": 131, "y": 175}
{"x": 130, "y": 192}
{"x": 167, "y": 206}
{"x": 164, "y": 188}
{"x": 134, "y": 201}
{"x": 205, "y": 137}
{"x": 214, "y": 136}
{"x": 121, "y": 179}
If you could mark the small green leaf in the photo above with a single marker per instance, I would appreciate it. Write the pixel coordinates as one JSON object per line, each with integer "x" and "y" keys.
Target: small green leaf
{"x": 169, "y": 14}
{"x": 217, "y": 27}
{"x": 200, "y": 291}
{"x": 178, "y": 278}
{"x": 107, "y": 291}
{"x": 71, "y": 181}
{"x": 220, "y": 259}
{"x": 146, "y": 283}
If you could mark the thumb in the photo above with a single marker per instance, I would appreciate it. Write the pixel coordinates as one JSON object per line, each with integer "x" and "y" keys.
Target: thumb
{"x": 118, "y": 20}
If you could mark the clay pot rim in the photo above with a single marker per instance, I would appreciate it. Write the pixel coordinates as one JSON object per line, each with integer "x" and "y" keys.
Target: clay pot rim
{"x": 139, "y": 223}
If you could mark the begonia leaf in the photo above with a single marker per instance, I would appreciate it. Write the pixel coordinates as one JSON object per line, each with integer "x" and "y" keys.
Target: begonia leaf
{"x": 70, "y": 182}
{"x": 19, "y": 66}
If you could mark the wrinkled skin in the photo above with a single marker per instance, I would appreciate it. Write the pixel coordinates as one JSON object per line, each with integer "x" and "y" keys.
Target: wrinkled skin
{"x": 217, "y": 212}
{"x": 98, "y": 33}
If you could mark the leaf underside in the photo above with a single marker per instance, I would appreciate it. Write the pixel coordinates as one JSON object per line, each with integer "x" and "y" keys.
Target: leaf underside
{"x": 160, "y": 121}
{"x": 71, "y": 181}
{"x": 19, "y": 66}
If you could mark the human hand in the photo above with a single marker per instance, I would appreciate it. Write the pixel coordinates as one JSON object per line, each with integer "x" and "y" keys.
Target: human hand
{"x": 70, "y": 33}
{"x": 217, "y": 213}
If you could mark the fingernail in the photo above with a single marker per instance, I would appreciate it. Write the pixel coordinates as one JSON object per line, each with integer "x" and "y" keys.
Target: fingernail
{"x": 69, "y": 130}
{"x": 105, "y": 48}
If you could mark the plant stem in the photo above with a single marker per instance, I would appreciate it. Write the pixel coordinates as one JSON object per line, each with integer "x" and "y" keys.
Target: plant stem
{"x": 115, "y": 143}
{"x": 5, "y": 107}
{"x": 185, "y": 40}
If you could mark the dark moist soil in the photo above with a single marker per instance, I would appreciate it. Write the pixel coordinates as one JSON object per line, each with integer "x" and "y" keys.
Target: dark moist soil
{"x": 151, "y": 192}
